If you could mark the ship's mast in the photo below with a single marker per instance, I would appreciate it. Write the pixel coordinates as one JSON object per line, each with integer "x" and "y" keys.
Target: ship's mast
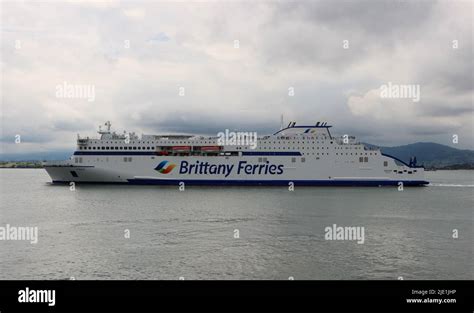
{"x": 108, "y": 125}
{"x": 104, "y": 132}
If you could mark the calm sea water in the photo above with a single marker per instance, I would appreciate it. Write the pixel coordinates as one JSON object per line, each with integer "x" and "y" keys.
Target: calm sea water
{"x": 191, "y": 234}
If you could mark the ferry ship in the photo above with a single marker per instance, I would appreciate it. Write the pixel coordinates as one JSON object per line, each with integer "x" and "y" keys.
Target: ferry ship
{"x": 302, "y": 155}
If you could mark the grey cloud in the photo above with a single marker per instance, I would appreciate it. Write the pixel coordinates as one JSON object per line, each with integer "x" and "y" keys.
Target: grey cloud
{"x": 312, "y": 33}
{"x": 26, "y": 136}
{"x": 72, "y": 125}
{"x": 449, "y": 111}
{"x": 205, "y": 124}
{"x": 376, "y": 17}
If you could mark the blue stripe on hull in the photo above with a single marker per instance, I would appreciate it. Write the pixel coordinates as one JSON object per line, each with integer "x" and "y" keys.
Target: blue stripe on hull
{"x": 220, "y": 182}
{"x": 209, "y": 182}
{"x": 212, "y": 182}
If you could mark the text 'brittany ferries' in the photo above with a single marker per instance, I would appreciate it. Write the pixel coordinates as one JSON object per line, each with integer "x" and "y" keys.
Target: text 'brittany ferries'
{"x": 226, "y": 169}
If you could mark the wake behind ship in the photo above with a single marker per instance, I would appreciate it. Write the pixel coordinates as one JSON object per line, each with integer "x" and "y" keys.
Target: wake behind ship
{"x": 301, "y": 155}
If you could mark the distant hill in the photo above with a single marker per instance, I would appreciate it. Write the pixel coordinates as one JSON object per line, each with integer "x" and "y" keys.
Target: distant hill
{"x": 431, "y": 155}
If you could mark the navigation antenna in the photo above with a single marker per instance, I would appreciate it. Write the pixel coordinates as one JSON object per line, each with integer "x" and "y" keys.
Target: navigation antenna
{"x": 281, "y": 122}
{"x": 107, "y": 124}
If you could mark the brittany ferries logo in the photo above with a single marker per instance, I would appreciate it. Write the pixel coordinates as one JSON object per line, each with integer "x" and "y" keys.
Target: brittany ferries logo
{"x": 165, "y": 167}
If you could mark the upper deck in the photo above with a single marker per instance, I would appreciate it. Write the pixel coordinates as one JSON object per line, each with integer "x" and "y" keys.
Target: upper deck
{"x": 292, "y": 140}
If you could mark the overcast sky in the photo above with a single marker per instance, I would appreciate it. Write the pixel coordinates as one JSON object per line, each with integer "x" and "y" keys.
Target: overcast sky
{"x": 334, "y": 54}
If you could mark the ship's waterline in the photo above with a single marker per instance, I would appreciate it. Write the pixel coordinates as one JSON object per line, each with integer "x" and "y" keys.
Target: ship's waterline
{"x": 301, "y": 155}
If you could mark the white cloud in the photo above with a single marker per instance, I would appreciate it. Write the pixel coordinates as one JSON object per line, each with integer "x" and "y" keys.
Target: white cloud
{"x": 137, "y": 13}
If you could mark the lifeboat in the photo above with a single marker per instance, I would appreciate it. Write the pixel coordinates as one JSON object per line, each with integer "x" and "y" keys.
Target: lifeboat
{"x": 210, "y": 148}
{"x": 181, "y": 148}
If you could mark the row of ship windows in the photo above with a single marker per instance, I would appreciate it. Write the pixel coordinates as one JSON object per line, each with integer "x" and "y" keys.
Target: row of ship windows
{"x": 206, "y": 142}
{"x": 361, "y": 159}
{"x": 317, "y": 148}
{"x": 341, "y": 154}
{"x": 130, "y": 159}
{"x": 348, "y": 146}
{"x": 213, "y": 142}
{"x": 116, "y": 148}
{"x": 125, "y": 159}
{"x": 366, "y": 153}
{"x": 404, "y": 171}
{"x": 152, "y": 148}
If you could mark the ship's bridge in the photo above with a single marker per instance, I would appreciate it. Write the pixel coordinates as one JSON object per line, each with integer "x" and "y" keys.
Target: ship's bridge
{"x": 320, "y": 128}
